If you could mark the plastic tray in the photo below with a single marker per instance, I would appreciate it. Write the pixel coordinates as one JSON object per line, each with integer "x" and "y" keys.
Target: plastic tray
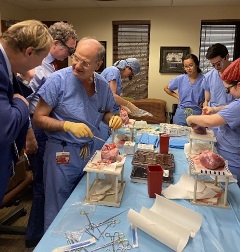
{"x": 144, "y": 158}
{"x": 139, "y": 174}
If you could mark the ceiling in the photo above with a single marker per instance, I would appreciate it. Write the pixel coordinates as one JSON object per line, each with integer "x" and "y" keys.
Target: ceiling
{"x": 54, "y": 4}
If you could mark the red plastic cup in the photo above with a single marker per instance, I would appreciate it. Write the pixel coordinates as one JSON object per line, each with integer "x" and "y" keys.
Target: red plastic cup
{"x": 155, "y": 178}
{"x": 164, "y": 143}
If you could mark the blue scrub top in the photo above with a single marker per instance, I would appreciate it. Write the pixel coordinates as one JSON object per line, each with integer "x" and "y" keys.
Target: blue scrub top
{"x": 70, "y": 102}
{"x": 190, "y": 94}
{"x": 228, "y": 136}
{"x": 214, "y": 85}
{"x": 41, "y": 73}
{"x": 113, "y": 73}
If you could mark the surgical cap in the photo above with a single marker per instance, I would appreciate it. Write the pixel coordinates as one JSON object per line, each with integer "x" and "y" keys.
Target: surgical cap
{"x": 133, "y": 63}
{"x": 232, "y": 72}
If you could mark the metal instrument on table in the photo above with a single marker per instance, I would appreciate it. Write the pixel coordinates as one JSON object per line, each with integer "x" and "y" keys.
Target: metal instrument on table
{"x": 111, "y": 223}
{"x": 116, "y": 238}
{"x": 109, "y": 219}
{"x": 113, "y": 131}
{"x": 73, "y": 246}
{"x": 100, "y": 139}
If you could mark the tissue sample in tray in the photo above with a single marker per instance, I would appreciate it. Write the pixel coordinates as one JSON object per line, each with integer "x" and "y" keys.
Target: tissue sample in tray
{"x": 143, "y": 158}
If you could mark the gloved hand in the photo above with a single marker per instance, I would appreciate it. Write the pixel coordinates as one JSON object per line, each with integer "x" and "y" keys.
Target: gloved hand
{"x": 78, "y": 129}
{"x": 132, "y": 108}
{"x": 115, "y": 122}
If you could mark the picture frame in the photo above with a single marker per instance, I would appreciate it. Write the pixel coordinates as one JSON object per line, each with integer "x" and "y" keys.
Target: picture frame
{"x": 171, "y": 58}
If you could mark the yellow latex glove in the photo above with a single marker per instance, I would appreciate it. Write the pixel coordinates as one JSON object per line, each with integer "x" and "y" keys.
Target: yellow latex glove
{"x": 115, "y": 122}
{"x": 78, "y": 129}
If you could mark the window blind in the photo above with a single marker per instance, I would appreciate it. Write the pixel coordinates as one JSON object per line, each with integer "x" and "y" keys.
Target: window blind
{"x": 218, "y": 32}
{"x": 131, "y": 40}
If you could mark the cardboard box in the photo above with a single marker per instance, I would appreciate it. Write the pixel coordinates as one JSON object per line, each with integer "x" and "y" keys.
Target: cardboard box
{"x": 129, "y": 148}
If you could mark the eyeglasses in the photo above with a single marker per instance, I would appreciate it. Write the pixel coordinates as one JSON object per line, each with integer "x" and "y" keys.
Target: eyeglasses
{"x": 219, "y": 63}
{"x": 82, "y": 62}
{"x": 189, "y": 66}
{"x": 70, "y": 50}
{"x": 234, "y": 83}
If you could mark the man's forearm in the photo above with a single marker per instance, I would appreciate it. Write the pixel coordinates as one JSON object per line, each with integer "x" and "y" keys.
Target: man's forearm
{"x": 47, "y": 123}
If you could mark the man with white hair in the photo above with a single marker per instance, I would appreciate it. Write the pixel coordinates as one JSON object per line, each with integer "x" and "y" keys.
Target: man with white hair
{"x": 73, "y": 101}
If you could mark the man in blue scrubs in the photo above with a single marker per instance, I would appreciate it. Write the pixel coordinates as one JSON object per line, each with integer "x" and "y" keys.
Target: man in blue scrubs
{"x": 215, "y": 94}
{"x": 73, "y": 101}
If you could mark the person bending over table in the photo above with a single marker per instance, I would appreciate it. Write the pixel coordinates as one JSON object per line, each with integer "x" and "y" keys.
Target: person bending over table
{"x": 114, "y": 74}
{"x": 226, "y": 118}
{"x": 190, "y": 90}
{"x": 73, "y": 101}
{"x": 121, "y": 69}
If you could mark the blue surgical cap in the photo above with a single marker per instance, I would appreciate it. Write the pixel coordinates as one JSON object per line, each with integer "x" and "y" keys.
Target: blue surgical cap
{"x": 133, "y": 63}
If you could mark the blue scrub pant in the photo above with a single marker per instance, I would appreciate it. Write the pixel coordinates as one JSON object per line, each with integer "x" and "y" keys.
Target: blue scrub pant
{"x": 61, "y": 179}
{"x": 180, "y": 118}
{"x": 35, "y": 228}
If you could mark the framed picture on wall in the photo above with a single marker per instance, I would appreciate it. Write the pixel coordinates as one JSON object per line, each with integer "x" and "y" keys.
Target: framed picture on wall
{"x": 171, "y": 59}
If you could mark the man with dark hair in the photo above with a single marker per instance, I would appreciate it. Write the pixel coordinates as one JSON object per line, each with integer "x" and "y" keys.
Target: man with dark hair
{"x": 64, "y": 43}
{"x": 22, "y": 47}
{"x": 215, "y": 94}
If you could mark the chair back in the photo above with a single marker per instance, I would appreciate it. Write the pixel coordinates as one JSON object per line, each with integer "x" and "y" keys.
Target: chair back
{"x": 18, "y": 182}
{"x": 156, "y": 107}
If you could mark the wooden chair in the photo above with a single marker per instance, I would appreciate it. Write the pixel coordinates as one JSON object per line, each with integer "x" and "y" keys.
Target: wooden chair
{"x": 16, "y": 186}
{"x": 156, "y": 107}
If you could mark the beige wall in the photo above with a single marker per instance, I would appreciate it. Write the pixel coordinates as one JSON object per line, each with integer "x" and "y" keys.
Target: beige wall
{"x": 9, "y": 11}
{"x": 170, "y": 26}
